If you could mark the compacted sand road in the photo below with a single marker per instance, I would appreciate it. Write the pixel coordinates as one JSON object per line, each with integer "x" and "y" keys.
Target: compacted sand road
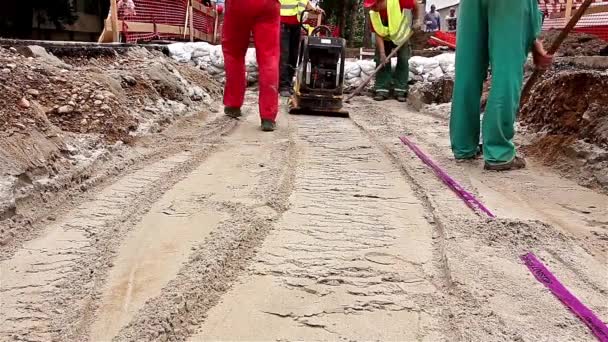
{"x": 328, "y": 229}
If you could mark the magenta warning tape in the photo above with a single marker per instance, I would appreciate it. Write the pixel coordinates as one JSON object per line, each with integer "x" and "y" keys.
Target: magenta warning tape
{"x": 543, "y": 275}
{"x": 467, "y": 197}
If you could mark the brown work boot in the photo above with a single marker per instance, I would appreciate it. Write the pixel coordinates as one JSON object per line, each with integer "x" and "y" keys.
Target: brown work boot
{"x": 401, "y": 97}
{"x": 516, "y": 164}
{"x": 232, "y": 112}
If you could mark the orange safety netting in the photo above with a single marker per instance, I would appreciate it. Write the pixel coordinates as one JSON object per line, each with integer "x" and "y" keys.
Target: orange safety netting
{"x": 166, "y": 18}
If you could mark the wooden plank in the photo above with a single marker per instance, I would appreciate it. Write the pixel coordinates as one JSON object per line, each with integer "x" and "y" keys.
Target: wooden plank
{"x": 187, "y": 19}
{"x": 568, "y": 13}
{"x": 115, "y": 30}
{"x": 215, "y": 27}
{"x": 191, "y": 11}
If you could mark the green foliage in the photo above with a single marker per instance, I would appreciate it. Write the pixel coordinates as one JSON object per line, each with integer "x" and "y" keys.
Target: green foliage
{"x": 349, "y": 15}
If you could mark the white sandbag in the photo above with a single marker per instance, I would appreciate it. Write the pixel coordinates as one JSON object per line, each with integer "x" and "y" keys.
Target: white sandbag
{"x": 203, "y": 65}
{"x": 181, "y": 52}
{"x": 252, "y": 77}
{"x": 352, "y": 83}
{"x": 217, "y": 56}
{"x": 351, "y": 70}
{"x": 450, "y": 70}
{"x": 367, "y": 67}
{"x": 202, "y": 61}
{"x": 435, "y": 74}
{"x": 446, "y": 61}
{"x": 201, "y": 50}
{"x": 213, "y": 70}
{"x": 250, "y": 58}
{"x": 423, "y": 65}
{"x": 417, "y": 70}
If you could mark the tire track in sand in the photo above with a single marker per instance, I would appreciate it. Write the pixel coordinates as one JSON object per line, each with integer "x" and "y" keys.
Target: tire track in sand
{"x": 179, "y": 222}
{"x": 35, "y": 276}
{"x": 352, "y": 259}
{"x": 48, "y": 288}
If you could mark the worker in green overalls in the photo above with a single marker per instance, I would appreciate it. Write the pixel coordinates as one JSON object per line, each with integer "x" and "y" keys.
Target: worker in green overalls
{"x": 392, "y": 26}
{"x": 499, "y": 34}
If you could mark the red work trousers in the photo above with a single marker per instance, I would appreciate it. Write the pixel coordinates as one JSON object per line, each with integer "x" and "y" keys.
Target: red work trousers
{"x": 262, "y": 17}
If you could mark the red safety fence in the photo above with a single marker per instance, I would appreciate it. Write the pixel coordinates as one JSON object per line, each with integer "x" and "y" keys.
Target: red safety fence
{"x": 146, "y": 20}
{"x": 595, "y": 20}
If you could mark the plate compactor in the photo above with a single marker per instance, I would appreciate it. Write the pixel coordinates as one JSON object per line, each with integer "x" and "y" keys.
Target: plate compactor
{"x": 319, "y": 86}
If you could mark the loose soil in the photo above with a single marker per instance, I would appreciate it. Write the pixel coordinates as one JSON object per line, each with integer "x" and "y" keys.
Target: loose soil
{"x": 193, "y": 226}
{"x": 68, "y": 123}
{"x": 576, "y": 44}
{"x": 569, "y": 108}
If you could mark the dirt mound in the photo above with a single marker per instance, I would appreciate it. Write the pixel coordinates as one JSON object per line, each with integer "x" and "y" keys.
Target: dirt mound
{"x": 568, "y": 113}
{"x": 576, "y": 44}
{"x": 98, "y": 97}
{"x": 59, "y": 117}
{"x": 571, "y": 103}
{"x": 37, "y": 95}
{"x": 436, "y": 92}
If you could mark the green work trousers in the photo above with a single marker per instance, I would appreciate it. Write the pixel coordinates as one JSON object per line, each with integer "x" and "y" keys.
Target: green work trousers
{"x": 499, "y": 34}
{"x": 386, "y": 79}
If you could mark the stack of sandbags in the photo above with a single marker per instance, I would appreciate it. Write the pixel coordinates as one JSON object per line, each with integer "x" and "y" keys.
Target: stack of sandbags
{"x": 356, "y": 72}
{"x": 425, "y": 69}
{"x": 210, "y": 58}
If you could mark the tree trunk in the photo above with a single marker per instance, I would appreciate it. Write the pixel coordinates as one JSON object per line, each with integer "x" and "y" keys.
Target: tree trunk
{"x": 342, "y": 15}
{"x": 367, "y": 32}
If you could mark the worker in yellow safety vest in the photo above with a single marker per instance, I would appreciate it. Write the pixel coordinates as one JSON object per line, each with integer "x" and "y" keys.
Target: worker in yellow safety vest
{"x": 291, "y": 30}
{"x": 392, "y": 24}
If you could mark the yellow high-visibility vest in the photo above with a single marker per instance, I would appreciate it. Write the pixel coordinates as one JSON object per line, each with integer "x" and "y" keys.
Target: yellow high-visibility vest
{"x": 290, "y": 8}
{"x": 398, "y": 23}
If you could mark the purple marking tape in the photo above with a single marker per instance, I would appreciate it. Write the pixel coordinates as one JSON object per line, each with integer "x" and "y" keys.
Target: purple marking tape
{"x": 468, "y": 198}
{"x": 543, "y": 275}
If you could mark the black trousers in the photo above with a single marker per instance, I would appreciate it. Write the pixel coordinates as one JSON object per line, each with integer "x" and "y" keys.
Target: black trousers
{"x": 290, "y": 43}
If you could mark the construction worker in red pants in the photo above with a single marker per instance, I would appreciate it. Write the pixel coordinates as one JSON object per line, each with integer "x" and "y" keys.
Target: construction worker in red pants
{"x": 262, "y": 17}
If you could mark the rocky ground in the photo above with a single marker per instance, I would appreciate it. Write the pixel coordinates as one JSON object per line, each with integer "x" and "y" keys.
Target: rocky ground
{"x": 60, "y": 120}
{"x": 185, "y": 225}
